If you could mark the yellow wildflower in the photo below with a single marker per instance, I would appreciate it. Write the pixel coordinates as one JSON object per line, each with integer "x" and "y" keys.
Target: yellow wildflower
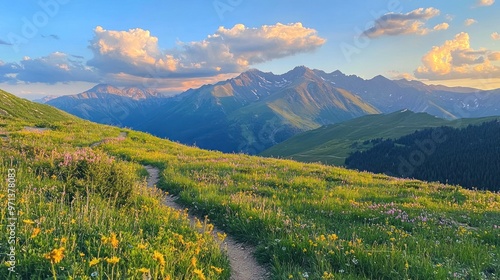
{"x": 93, "y": 262}
{"x": 36, "y": 231}
{"x": 114, "y": 242}
{"x": 104, "y": 240}
{"x": 221, "y": 236}
{"x": 199, "y": 273}
{"x": 327, "y": 275}
{"x": 64, "y": 240}
{"x": 82, "y": 254}
{"x": 112, "y": 260}
{"x": 193, "y": 261}
{"x": 141, "y": 246}
{"x": 198, "y": 223}
{"x": 217, "y": 270}
{"x": 157, "y": 256}
{"x": 333, "y": 237}
{"x": 29, "y": 222}
{"x": 143, "y": 270}
{"x": 56, "y": 255}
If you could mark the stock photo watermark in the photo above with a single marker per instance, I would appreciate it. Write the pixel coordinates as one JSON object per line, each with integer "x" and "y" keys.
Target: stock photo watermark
{"x": 11, "y": 220}
{"x": 426, "y": 148}
{"x": 31, "y": 25}
{"x": 223, "y": 6}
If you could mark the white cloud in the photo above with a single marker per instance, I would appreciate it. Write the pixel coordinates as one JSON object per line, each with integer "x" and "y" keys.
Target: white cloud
{"x": 455, "y": 59}
{"x": 469, "y": 22}
{"x": 53, "y": 68}
{"x": 485, "y": 2}
{"x": 170, "y": 85}
{"x": 134, "y": 57}
{"x": 495, "y": 36}
{"x": 56, "y": 67}
{"x": 8, "y": 71}
{"x": 396, "y": 75}
{"x": 494, "y": 56}
{"x": 136, "y": 52}
{"x": 399, "y": 24}
{"x": 441, "y": 26}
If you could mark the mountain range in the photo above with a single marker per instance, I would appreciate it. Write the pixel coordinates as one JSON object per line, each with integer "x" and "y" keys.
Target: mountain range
{"x": 110, "y": 105}
{"x": 256, "y": 110}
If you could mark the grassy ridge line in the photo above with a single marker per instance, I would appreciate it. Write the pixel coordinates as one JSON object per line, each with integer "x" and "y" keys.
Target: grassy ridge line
{"x": 332, "y": 144}
{"x": 319, "y": 222}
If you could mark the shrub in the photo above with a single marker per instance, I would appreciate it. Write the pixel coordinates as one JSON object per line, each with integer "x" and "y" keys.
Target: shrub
{"x": 88, "y": 171}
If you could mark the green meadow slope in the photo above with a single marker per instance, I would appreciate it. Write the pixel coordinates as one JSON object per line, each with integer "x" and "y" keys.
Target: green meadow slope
{"x": 332, "y": 144}
{"x": 72, "y": 211}
{"x": 307, "y": 221}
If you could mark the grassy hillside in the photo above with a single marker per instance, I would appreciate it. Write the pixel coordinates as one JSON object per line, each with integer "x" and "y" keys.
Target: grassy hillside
{"x": 84, "y": 214}
{"x": 308, "y": 221}
{"x": 332, "y": 144}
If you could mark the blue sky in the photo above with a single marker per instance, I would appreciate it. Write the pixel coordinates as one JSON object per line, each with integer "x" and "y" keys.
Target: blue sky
{"x": 66, "y": 46}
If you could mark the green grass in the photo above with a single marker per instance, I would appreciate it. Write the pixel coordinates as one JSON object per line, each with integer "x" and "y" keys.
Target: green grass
{"x": 307, "y": 221}
{"x": 319, "y": 221}
{"x": 332, "y": 144}
{"x": 84, "y": 214}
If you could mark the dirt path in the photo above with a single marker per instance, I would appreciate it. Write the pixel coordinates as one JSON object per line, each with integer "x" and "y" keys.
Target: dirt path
{"x": 243, "y": 264}
{"x": 120, "y": 137}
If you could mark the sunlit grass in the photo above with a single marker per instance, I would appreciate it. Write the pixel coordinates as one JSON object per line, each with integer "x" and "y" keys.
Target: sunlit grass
{"x": 307, "y": 221}
{"x": 82, "y": 214}
{"x": 318, "y": 222}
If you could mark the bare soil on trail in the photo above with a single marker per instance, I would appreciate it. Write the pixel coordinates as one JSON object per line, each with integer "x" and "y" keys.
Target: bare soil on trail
{"x": 243, "y": 264}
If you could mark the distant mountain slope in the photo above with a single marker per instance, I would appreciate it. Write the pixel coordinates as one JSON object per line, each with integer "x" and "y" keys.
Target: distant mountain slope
{"x": 110, "y": 105}
{"x": 468, "y": 156}
{"x": 255, "y": 110}
{"x": 445, "y": 102}
{"x": 12, "y": 106}
{"x": 332, "y": 144}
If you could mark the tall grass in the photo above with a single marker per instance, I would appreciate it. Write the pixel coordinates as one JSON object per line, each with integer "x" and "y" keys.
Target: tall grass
{"x": 82, "y": 214}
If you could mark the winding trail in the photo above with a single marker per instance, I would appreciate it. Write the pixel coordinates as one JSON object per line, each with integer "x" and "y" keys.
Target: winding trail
{"x": 243, "y": 264}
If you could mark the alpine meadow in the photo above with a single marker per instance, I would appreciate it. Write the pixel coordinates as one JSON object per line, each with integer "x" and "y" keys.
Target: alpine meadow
{"x": 250, "y": 140}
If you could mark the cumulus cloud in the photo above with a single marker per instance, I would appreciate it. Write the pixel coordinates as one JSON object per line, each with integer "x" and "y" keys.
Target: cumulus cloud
{"x": 485, "y": 2}
{"x": 396, "y": 75}
{"x": 56, "y": 67}
{"x": 399, "y": 24}
{"x": 165, "y": 85}
{"x": 441, "y": 26}
{"x": 494, "y": 56}
{"x": 8, "y": 71}
{"x": 228, "y": 50}
{"x": 455, "y": 59}
{"x": 495, "y": 36}
{"x": 134, "y": 57}
{"x": 469, "y": 22}
{"x": 134, "y": 52}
